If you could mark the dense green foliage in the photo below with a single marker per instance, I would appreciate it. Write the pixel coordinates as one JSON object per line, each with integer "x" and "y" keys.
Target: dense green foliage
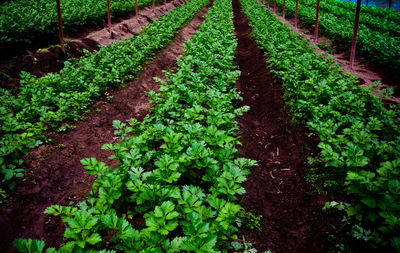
{"x": 376, "y": 23}
{"x": 178, "y": 169}
{"x": 359, "y": 138}
{"x": 376, "y": 46}
{"x": 383, "y": 13}
{"x": 25, "y": 20}
{"x": 66, "y": 96}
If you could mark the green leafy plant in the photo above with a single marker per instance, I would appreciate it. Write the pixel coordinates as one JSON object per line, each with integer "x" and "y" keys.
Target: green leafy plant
{"x": 250, "y": 221}
{"x": 163, "y": 219}
{"x": 24, "y": 21}
{"x": 378, "y": 37}
{"x": 244, "y": 247}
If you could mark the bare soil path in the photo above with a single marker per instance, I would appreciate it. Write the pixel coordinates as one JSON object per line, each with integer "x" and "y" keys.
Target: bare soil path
{"x": 54, "y": 174}
{"x": 292, "y": 217}
{"x": 40, "y": 62}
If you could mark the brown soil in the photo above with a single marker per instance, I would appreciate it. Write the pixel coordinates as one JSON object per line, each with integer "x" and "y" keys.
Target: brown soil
{"x": 292, "y": 216}
{"x": 366, "y": 72}
{"x": 50, "y": 60}
{"x": 54, "y": 174}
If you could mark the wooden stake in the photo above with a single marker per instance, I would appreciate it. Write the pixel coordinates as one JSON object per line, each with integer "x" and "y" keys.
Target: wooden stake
{"x": 295, "y": 14}
{"x": 283, "y": 11}
{"x": 165, "y": 4}
{"x": 109, "y": 17}
{"x": 354, "y": 42}
{"x": 154, "y": 6}
{"x": 136, "y": 10}
{"x": 316, "y": 23}
{"x": 60, "y": 27}
{"x": 274, "y": 6}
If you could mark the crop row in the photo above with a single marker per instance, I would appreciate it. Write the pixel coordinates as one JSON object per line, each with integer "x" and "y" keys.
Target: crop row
{"x": 383, "y": 13}
{"x": 359, "y": 138}
{"x": 376, "y": 23}
{"x": 25, "y": 21}
{"x": 66, "y": 96}
{"x": 178, "y": 169}
{"x": 375, "y": 46}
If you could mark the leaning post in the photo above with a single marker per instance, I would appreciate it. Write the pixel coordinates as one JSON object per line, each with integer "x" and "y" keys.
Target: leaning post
{"x": 316, "y": 23}
{"x": 136, "y": 9}
{"x": 109, "y": 17}
{"x": 354, "y": 42}
{"x": 60, "y": 27}
{"x": 295, "y": 14}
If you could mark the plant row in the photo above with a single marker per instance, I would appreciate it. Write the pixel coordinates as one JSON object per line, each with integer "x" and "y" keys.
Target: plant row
{"x": 24, "y": 21}
{"x": 375, "y": 46}
{"x": 359, "y": 139}
{"x": 46, "y": 101}
{"x": 178, "y": 174}
{"x": 383, "y": 13}
{"x": 376, "y": 23}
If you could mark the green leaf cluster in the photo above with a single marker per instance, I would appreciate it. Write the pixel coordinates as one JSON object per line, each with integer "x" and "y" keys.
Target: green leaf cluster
{"x": 376, "y": 44}
{"x": 382, "y": 24}
{"x": 25, "y": 21}
{"x": 383, "y": 13}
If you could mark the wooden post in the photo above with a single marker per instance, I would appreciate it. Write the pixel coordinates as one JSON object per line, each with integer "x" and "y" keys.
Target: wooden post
{"x": 316, "y": 23}
{"x": 295, "y": 14}
{"x": 136, "y": 10}
{"x": 268, "y": 4}
{"x": 165, "y": 4}
{"x": 154, "y": 6}
{"x": 283, "y": 9}
{"x": 60, "y": 28}
{"x": 109, "y": 17}
{"x": 274, "y": 6}
{"x": 354, "y": 42}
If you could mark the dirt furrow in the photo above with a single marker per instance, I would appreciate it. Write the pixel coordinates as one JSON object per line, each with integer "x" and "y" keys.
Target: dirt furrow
{"x": 54, "y": 174}
{"x": 292, "y": 217}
